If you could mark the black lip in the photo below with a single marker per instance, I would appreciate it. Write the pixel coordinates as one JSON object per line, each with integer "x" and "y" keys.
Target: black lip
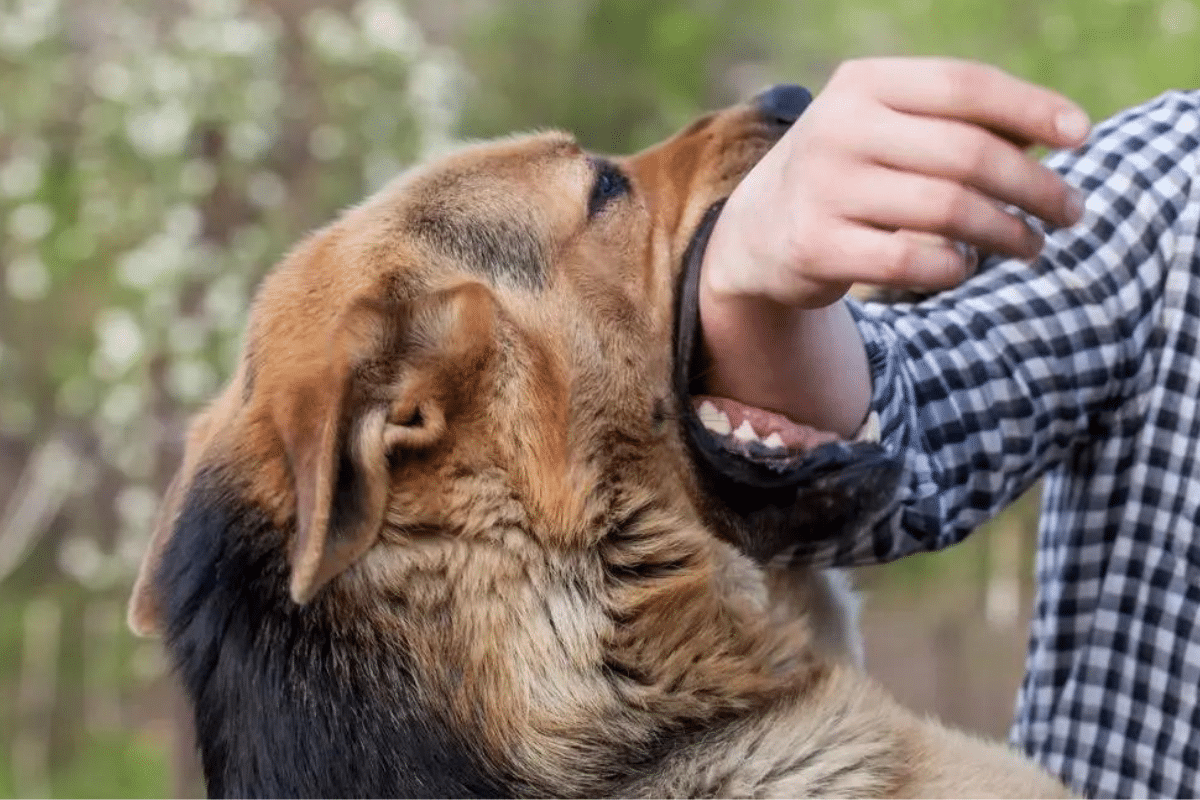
{"x": 784, "y": 504}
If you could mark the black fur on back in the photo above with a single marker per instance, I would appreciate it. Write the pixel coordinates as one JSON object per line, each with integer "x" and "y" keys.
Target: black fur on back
{"x": 293, "y": 700}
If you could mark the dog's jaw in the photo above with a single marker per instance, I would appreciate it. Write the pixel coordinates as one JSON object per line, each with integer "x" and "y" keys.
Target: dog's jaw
{"x": 771, "y": 502}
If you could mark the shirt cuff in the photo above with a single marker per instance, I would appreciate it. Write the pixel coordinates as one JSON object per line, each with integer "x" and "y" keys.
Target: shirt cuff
{"x": 911, "y": 522}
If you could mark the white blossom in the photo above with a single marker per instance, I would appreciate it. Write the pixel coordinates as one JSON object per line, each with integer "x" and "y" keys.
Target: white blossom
{"x": 225, "y": 301}
{"x": 160, "y": 130}
{"x": 80, "y": 557}
{"x": 385, "y": 26}
{"x": 266, "y": 189}
{"x": 121, "y": 405}
{"x": 171, "y": 207}
{"x": 187, "y": 335}
{"x": 27, "y": 278}
{"x": 111, "y": 80}
{"x": 119, "y": 340}
{"x": 249, "y": 140}
{"x": 137, "y": 505}
{"x": 197, "y": 177}
{"x": 27, "y": 23}
{"x": 21, "y": 175}
{"x": 190, "y": 380}
{"x": 332, "y": 36}
{"x": 326, "y": 142}
{"x": 1178, "y": 17}
{"x": 30, "y": 222}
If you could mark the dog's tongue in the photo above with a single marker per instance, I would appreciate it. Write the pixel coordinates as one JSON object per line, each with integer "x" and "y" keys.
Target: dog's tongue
{"x": 726, "y": 417}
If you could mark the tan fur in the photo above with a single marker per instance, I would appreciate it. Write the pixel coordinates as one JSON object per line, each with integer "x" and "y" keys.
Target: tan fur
{"x": 493, "y": 368}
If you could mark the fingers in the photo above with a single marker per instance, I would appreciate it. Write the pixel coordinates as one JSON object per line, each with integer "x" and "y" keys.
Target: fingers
{"x": 886, "y": 198}
{"x": 893, "y": 161}
{"x": 973, "y": 156}
{"x": 905, "y": 259}
{"x": 971, "y": 92}
{"x": 969, "y": 254}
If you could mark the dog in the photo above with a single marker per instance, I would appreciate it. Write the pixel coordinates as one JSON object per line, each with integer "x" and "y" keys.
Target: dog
{"x": 460, "y": 524}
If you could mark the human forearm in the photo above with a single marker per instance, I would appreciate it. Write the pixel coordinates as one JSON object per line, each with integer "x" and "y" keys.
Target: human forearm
{"x": 807, "y": 364}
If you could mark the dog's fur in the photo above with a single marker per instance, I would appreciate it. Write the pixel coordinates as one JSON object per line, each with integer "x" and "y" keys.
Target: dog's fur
{"x": 442, "y": 533}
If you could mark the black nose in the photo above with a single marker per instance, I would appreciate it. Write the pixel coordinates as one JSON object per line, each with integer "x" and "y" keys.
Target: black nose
{"x": 783, "y": 104}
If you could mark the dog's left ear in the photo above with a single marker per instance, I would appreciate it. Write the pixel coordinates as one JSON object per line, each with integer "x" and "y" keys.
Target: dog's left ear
{"x": 145, "y": 611}
{"x": 396, "y": 374}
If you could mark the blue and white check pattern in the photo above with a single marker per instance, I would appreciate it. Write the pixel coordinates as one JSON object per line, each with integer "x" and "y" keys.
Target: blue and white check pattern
{"x": 1083, "y": 367}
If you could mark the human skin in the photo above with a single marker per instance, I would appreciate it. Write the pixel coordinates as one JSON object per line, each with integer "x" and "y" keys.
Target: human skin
{"x": 894, "y": 162}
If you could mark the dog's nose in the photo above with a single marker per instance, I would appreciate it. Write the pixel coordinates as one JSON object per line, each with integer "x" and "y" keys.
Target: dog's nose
{"x": 783, "y": 104}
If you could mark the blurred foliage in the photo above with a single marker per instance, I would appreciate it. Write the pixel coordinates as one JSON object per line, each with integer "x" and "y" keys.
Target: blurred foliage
{"x": 622, "y": 73}
{"x": 617, "y": 73}
{"x": 1105, "y": 54}
{"x": 155, "y": 159}
{"x": 157, "y": 156}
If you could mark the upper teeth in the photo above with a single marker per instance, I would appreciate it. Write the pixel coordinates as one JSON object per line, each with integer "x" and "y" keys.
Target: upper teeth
{"x": 774, "y": 440}
{"x": 745, "y": 432}
{"x": 714, "y": 418}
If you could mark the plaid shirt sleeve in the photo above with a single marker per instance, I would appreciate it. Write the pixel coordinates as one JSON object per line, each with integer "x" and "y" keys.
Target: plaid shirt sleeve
{"x": 1081, "y": 367}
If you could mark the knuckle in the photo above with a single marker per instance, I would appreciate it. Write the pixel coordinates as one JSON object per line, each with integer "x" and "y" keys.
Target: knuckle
{"x": 947, "y": 206}
{"x": 901, "y": 263}
{"x": 966, "y": 81}
{"x": 802, "y": 247}
{"x": 853, "y": 72}
{"x": 1041, "y": 113}
{"x": 973, "y": 155}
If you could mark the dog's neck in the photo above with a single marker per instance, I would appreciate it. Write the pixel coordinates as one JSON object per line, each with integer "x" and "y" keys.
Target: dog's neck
{"x": 553, "y": 667}
{"x": 291, "y": 700}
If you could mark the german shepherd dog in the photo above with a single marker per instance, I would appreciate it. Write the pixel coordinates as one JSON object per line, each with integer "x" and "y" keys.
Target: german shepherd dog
{"x": 460, "y": 523}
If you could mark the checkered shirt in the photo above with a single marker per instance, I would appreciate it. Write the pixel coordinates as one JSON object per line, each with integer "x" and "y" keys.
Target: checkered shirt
{"x": 1080, "y": 367}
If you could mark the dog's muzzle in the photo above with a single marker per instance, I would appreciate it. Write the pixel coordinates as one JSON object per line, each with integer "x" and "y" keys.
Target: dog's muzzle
{"x": 792, "y": 500}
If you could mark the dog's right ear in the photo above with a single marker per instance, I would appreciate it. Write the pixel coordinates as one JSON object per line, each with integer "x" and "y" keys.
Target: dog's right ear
{"x": 398, "y": 373}
{"x": 394, "y": 377}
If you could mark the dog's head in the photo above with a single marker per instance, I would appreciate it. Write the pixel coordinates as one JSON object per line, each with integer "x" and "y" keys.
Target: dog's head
{"x": 507, "y": 331}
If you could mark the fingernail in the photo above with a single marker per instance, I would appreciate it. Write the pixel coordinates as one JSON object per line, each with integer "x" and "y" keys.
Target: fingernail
{"x": 1072, "y": 124}
{"x": 1075, "y": 206}
{"x": 1037, "y": 240}
{"x": 969, "y": 255}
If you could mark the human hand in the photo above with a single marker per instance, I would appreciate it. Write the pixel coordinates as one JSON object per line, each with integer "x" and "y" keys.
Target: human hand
{"x": 890, "y": 166}
{"x": 893, "y": 162}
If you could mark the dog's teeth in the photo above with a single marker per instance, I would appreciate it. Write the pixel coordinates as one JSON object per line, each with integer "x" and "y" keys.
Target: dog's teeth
{"x": 714, "y": 418}
{"x": 745, "y": 432}
{"x": 775, "y": 440}
{"x": 870, "y": 431}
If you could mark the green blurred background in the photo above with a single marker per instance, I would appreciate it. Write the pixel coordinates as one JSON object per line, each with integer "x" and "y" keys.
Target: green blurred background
{"x": 157, "y": 156}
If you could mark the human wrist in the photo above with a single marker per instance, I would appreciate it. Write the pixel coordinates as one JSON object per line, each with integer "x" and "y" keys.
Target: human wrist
{"x": 807, "y": 364}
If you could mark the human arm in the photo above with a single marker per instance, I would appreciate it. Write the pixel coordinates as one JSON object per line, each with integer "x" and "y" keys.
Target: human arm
{"x": 895, "y": 158}
{"x": 1027, "y": 366}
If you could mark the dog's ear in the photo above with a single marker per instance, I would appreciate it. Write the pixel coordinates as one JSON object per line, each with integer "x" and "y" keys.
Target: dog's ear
{"x": 393, "y": 375}
{"x": 144, "y": 614}
{"x": 395, "y": 378}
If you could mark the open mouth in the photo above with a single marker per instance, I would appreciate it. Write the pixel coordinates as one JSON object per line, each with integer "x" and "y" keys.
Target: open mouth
{"x": 755, "y": 432}
{"x": 792, "y": 483}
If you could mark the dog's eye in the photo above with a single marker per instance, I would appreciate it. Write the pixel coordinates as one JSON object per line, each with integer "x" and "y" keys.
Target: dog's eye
{"x": 610, "y": 182}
